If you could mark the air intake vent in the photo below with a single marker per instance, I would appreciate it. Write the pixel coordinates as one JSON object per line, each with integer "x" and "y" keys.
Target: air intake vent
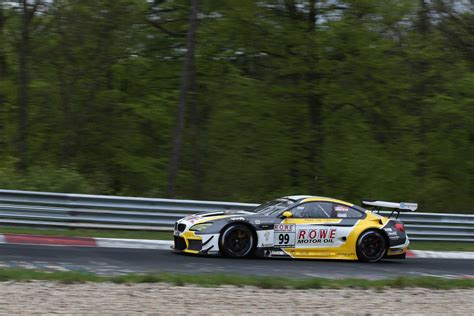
{"x": 181, "y": 227}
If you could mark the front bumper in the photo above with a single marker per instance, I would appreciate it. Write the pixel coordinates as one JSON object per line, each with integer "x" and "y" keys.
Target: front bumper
{"x": 187, "y": 242}
{"x": 187, "y": 245}
{"x": 193, "y": 242}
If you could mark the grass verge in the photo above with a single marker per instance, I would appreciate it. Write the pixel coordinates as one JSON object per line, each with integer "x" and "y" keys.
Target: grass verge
{"x": 214, "y": 280}
{"x": 442, "y": 245}
{"x": 104, "y": 233}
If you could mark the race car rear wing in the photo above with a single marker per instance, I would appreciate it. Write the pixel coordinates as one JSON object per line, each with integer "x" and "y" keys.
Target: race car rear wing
{"x": 396, "y": 207}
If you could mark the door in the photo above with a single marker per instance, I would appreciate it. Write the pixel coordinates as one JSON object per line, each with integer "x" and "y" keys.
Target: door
{"x": 318, "y": 230}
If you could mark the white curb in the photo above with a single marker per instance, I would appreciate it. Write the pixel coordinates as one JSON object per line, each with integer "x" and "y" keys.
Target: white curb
{"x": 425, "y": 254}
{"x": 133, "y": 243}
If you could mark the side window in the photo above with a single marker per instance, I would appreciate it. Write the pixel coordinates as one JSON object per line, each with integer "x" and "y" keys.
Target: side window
{"x": 325, "y": 210}
{"x": 313, "y": 210}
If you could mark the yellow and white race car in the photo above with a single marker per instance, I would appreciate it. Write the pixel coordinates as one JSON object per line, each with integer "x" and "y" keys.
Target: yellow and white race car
{"x": 309, "y": 227}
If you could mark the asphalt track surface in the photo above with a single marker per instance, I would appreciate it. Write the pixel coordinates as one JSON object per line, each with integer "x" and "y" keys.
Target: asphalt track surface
{"x": 111, "y": 261}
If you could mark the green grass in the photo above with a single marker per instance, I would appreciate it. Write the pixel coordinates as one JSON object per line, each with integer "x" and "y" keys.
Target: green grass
{"x": 89, "y": 233}
{"x": 214, "y": 280}
{"x": 442, "y": 245}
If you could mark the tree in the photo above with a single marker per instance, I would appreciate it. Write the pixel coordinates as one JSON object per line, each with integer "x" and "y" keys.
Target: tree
{"x": 187, "y": 82}
{"x": 374, "y": 97}
{"x": 28, "y": 12}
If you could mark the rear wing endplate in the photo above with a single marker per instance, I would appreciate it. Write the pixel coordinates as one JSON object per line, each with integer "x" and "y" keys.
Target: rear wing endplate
{"x": 396, "y": 207}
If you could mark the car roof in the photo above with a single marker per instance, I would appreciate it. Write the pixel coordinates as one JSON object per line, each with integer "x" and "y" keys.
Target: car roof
{"x": 297, "y": 197}
{"x": 311, "y": 198}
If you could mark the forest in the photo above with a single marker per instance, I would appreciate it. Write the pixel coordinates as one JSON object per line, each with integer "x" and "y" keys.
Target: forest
{"x": 242, "y": 100}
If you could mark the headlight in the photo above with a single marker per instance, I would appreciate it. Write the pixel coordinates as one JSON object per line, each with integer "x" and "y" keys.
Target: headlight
{"x": 199, "y": 227}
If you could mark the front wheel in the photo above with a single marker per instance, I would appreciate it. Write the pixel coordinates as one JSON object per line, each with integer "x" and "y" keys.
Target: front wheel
{"x": 236, "y": 241}
{"x": 371, "y": 246}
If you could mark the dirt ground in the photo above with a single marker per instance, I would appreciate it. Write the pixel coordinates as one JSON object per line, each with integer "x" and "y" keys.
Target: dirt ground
{"x": 40, "y": 297}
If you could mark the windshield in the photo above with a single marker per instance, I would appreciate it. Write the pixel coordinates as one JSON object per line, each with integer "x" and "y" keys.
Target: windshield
{"x": 273, "y": 207}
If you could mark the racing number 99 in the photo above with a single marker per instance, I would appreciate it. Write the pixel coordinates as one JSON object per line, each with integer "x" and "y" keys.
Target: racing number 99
{"x": 283, "y": 239}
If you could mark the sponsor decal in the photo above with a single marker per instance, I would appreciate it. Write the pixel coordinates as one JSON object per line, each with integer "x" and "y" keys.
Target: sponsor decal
{"x": 266, "y": 242}
{"x": 316, "y": 236}
{"x": 285, "y": 235}
{"x": 277, "y": 253}
{"x": 408, "y": 206}
{"x": 241, "y": 219}
{"x": 341, "y": 208}
{"x": 192, "y": 218}
{"x": 393, "y": 235}
{"x": 284, "y": 228}
{"x": 267, "y": 235}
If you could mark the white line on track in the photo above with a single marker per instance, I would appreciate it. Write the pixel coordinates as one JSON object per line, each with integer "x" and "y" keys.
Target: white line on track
{"x": 442, "y": 254}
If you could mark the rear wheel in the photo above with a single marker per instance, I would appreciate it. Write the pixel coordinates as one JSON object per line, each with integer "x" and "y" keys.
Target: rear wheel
{"x": 236, "y": 241}
{"x": 371, "y": 246}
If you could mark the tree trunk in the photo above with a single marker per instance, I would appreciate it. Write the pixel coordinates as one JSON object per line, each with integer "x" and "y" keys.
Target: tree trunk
{"x": 3, "y": 60}
{"x": 312, "y": 15}
{"x": 196, "y": 142}
{"x": 3, "y": 71}
{"x": 23, "y": 97}
{"x": 186, "y": 83}
{"x": 423, "y": 21}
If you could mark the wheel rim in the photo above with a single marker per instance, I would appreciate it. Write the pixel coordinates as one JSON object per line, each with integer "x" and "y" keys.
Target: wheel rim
{"x": 373, "y": 246}
{"x": 238, "y": 242}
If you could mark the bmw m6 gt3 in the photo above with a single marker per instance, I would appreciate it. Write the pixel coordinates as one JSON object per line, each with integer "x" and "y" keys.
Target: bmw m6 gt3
{"x": 298, "y": 227}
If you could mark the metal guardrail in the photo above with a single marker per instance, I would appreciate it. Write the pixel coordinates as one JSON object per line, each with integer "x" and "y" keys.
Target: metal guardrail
{"x": 43, "y": 209}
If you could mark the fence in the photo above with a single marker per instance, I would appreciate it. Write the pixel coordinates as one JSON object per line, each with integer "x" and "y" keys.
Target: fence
{"x": 43, "y": 209}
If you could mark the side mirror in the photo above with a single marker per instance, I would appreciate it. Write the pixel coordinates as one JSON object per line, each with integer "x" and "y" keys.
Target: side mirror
{"x": 287, "y": 214}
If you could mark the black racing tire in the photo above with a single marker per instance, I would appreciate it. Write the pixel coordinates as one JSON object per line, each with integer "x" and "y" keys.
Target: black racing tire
{"x": 371, "y": 246}
{"x": 237, "y": 241}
